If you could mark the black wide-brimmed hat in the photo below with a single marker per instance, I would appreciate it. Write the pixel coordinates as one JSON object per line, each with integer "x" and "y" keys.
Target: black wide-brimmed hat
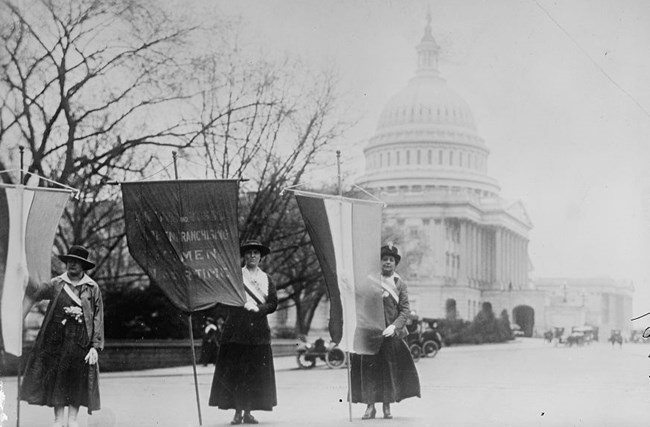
{"x": 80, "y": 254}
{"x": 254, "y": 244}
{"x": 390, "y": 250}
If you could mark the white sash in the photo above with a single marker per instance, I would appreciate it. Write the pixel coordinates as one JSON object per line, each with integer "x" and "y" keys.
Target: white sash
{"x": 392, "y": 290}
{"x": 257, "y": 286}
{"x": 68, "y": 290}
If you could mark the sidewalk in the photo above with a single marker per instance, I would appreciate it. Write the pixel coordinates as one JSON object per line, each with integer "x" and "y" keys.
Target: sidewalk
{"x": 517, "y": 384}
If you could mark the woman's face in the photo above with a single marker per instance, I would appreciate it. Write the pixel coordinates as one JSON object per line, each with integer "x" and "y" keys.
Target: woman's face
{"x": 74, "y": 269}
{"x": 252, "y": 258}
{"x": 387, "y": 265}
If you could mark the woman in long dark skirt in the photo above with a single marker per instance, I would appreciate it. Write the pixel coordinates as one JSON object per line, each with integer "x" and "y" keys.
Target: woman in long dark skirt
{"x": 244, "y": 375}
{"x": 389, "y": 376}
{"x": 62, "y": 368}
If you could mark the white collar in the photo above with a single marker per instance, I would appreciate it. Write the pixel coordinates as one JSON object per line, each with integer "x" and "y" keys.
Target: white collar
{"x": 85, "y": 280}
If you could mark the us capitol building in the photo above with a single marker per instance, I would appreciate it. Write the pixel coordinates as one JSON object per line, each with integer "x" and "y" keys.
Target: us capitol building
{"x": 461, "y": 243}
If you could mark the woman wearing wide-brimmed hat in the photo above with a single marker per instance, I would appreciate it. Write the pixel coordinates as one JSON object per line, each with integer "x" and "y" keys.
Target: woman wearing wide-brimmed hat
{"x": 244, "y": 376}
{"x": 62, "y": 367}
{"x": 390, "y": 375}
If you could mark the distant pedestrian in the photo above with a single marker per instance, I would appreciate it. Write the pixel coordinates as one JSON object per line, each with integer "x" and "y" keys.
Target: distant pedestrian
{"x": 211, "y": 340}
{"x": 244, "y": 375}
{"x": 389, "y": 376}
{"x": 62, "y": 367}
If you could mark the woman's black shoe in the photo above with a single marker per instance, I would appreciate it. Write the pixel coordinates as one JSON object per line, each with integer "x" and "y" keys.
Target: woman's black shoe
{"x": 249, "y": 419}
{"x": 386, "y": 408}
{"x": 237, "y": 419}
{"x": 370, "y": 413}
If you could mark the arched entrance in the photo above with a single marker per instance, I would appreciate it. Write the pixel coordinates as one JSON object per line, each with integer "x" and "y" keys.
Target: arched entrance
{"x": 524, "y": 316}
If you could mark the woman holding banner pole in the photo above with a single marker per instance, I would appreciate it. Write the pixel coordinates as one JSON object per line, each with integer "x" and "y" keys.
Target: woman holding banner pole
{"x": 244, "y": 376}
{"x": 62, "y": 367}
{"x": 390, "y": 375}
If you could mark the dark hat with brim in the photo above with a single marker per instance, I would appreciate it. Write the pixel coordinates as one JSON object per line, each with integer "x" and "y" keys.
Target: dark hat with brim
{"x": 79, "y": 254}
{"x": 254, "y": 244}
{"x": 390, "y": 250}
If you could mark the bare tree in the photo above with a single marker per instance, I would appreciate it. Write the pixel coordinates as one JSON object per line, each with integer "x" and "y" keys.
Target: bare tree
{"x": 88, "y": 87}
{"x": 269, "y": 123}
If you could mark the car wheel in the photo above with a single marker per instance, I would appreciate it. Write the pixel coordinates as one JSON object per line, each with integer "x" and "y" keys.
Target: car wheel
{"x": 416, "y": 352}
{"x": 335, "y": 358}
{"x": 430, "y": 348}
{"x": 305, "y": 363}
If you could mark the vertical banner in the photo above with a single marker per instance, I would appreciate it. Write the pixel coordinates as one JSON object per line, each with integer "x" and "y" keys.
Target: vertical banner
{"x": 346, "y": 235}
{"x": 184, "y": 235}
{"x": 29, "y": 218}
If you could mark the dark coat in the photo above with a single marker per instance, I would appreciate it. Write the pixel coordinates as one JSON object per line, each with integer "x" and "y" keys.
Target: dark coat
{"x": 248, "y": 327}
{"x": 390, "y": 375}
{"x": 91, "y": 303}
{"x": 93, "y": 311}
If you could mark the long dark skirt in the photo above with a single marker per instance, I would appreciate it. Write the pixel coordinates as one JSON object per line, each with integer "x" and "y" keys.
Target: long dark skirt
{"x": 56, "y": 373}
{"x": 244, "y": 378}
{"x": 389, "y": 376}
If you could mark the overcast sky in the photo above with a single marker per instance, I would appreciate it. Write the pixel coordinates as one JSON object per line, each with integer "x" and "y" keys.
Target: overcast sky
{"x": 560, "y": 92}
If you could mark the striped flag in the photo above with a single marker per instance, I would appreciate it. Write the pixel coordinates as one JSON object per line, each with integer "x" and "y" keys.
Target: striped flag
{"x": 346, "y": 235}
{"x": 29, "y": 218}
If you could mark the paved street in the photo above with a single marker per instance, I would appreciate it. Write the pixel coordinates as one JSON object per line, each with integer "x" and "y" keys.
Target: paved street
{"x": 522, "y": 383}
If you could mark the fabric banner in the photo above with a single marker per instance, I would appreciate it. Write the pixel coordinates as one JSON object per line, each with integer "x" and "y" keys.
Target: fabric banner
{"x": 346, "y": 235}
{"x": 184, "y": 235}
{"x": 29, "y": 218}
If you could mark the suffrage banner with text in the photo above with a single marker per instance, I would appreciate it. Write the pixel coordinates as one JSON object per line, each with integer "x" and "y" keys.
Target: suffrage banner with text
{"x": 184, "y": 235}
{"x": 29, "y": 217}
{"x": 346, "y": 235}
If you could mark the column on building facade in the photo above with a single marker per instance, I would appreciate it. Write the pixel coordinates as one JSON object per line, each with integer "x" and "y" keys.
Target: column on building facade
{"x": 462, "y": 254}
{"x": 481, "y": 252}
{"x": 477, "y": 275}
{"x": 440, "y": 244}
{"x": 526, "y": 263}
{"x": 503, "y": 257}
{"x": 504, "y": 260}
{"x": 470, "y": 255}
{"x": 497, "y": 256}
{"x": 522, "y": 257}
{"x": 510, "y": 257}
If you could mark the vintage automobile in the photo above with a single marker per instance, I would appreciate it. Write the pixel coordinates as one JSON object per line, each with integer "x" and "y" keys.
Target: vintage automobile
{"x": 308, "y": 353}
{"x": 423, "y": 339}
{"x": 516, "y": 330}
{"x": 616, "y": 337}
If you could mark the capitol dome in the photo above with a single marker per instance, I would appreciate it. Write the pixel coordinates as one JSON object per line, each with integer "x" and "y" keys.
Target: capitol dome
{"x": 427, "y": 101}
{"x": 426, "y": 136}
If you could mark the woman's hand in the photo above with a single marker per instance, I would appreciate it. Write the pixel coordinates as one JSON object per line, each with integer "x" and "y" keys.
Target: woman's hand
{"x": 251, "y": 306}
{"x": 92, "y": 356}
{"x": 389, "y": 331}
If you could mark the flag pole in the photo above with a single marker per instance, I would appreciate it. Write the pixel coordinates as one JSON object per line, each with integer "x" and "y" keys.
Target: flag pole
{"x": 347, "y": 353}
{"x": 196, "y": 381}
{"x": 189, "y": 317}
{"x": 22, "y": 239}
